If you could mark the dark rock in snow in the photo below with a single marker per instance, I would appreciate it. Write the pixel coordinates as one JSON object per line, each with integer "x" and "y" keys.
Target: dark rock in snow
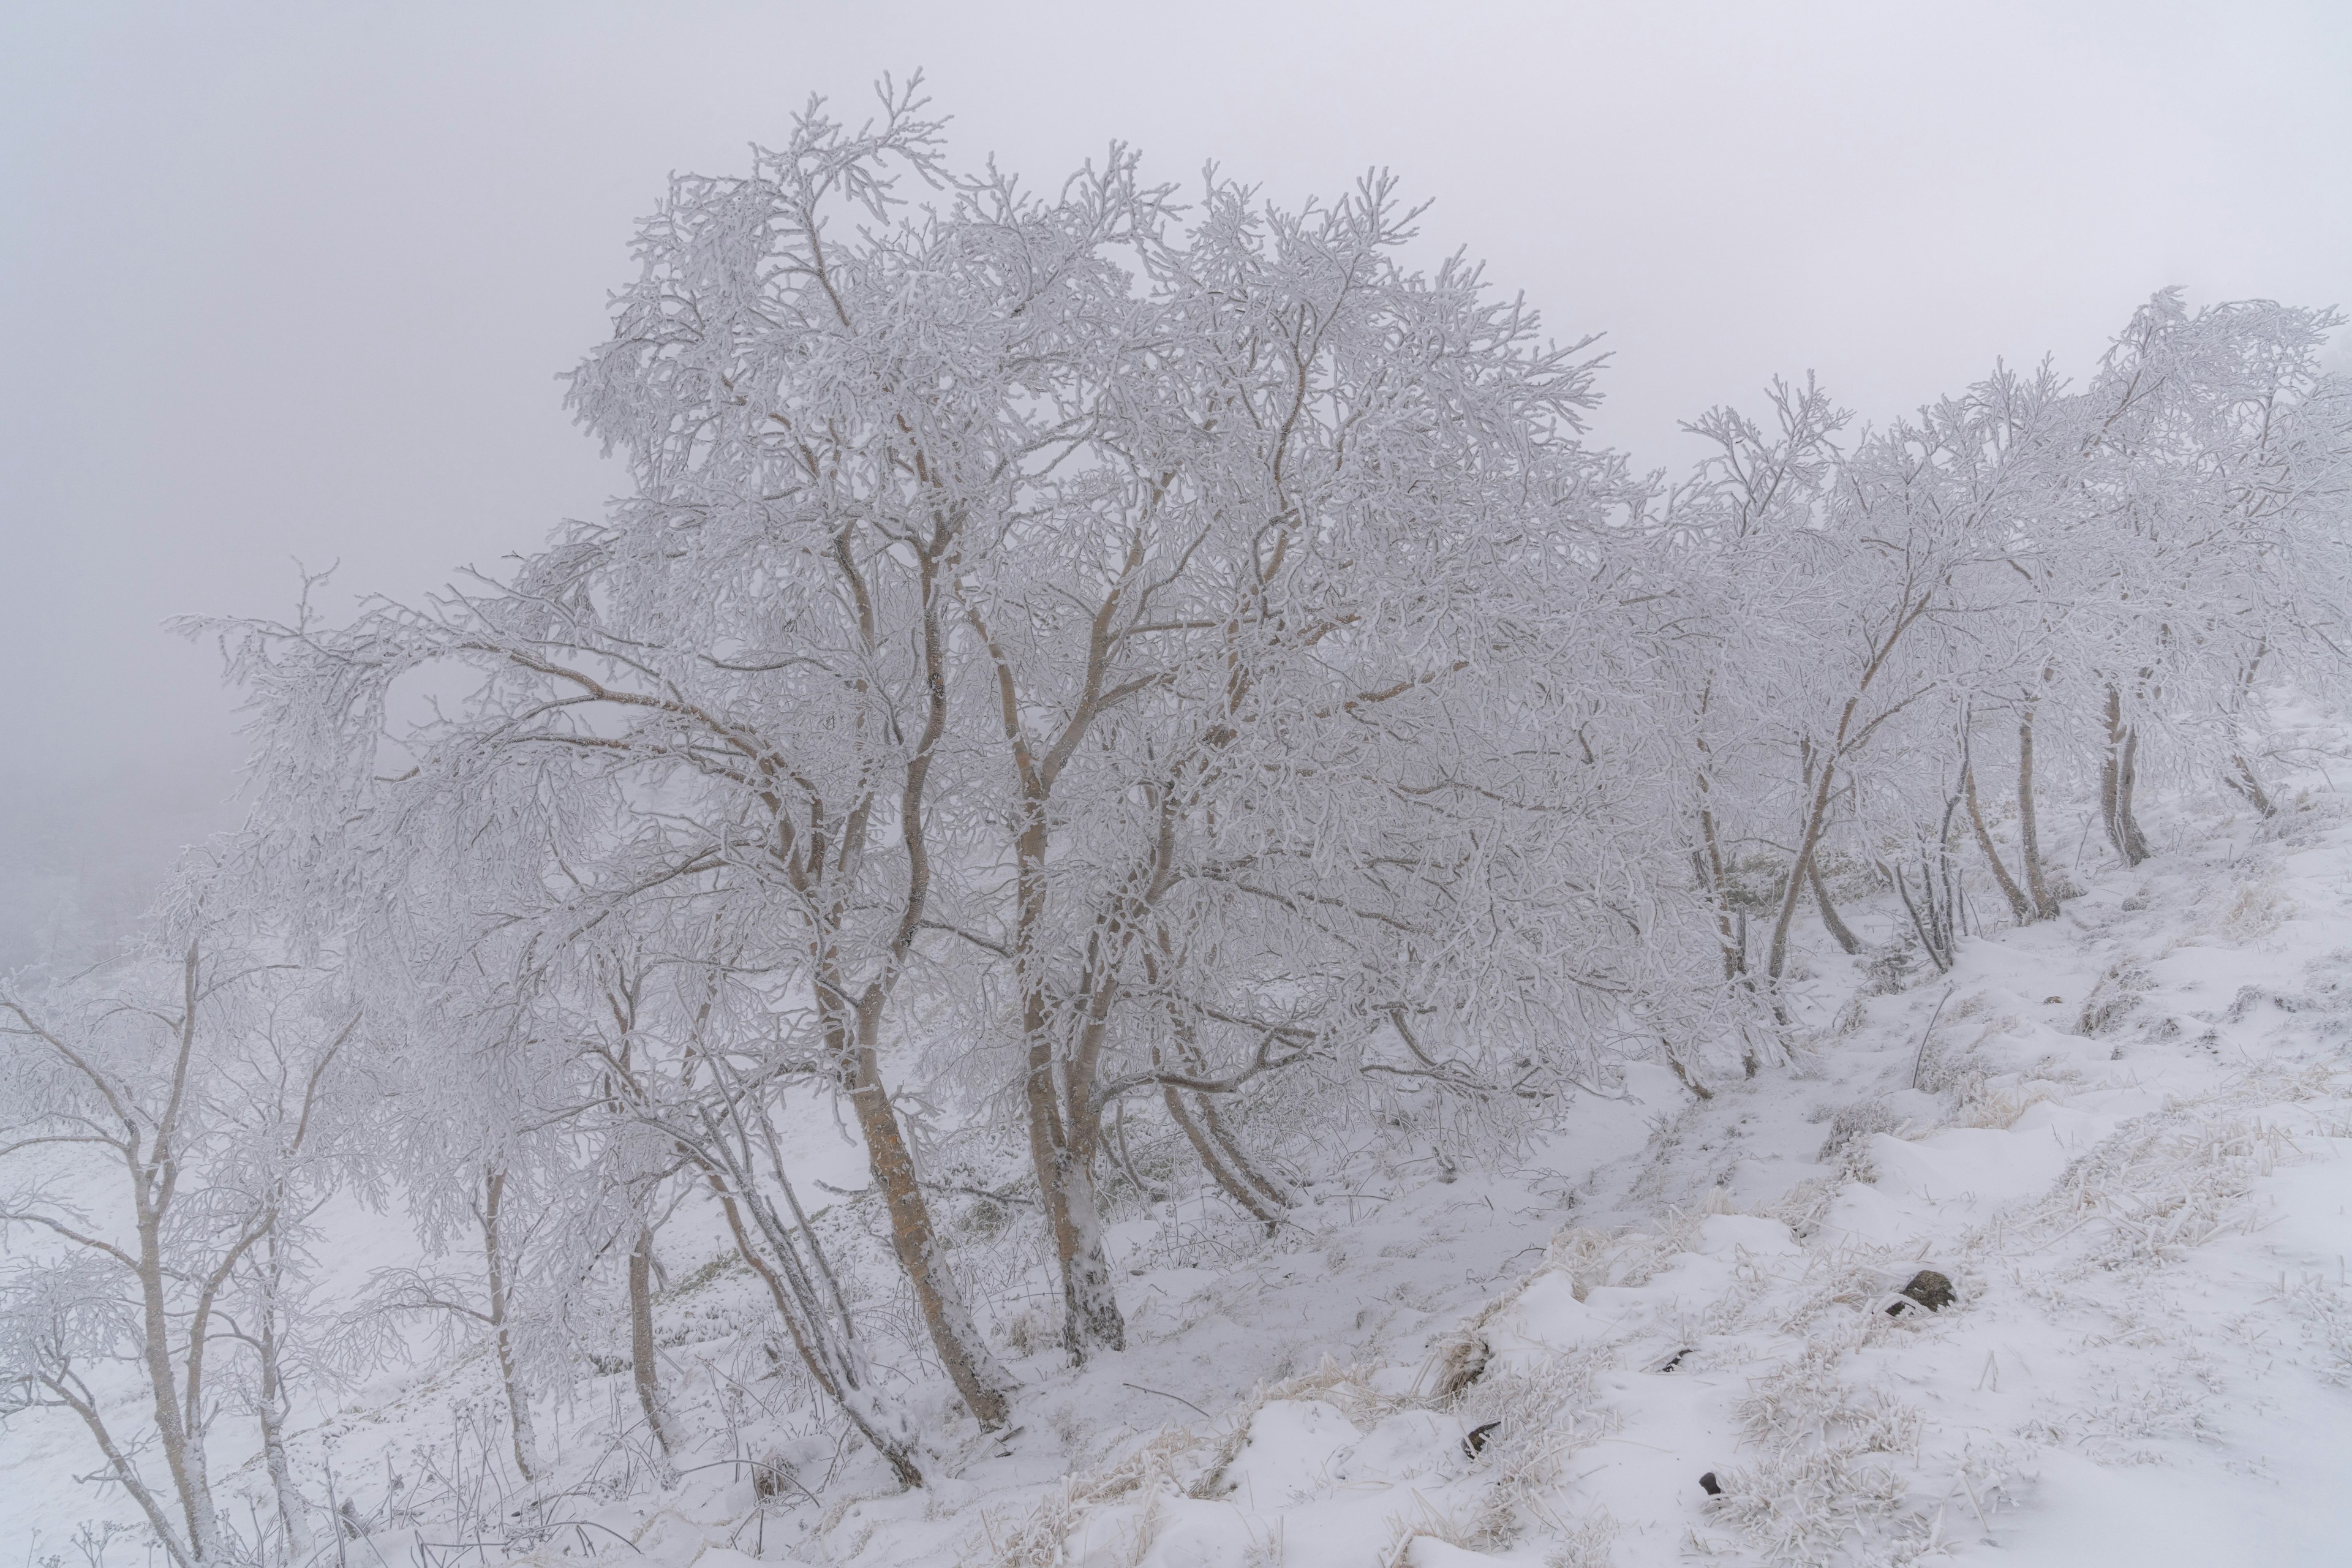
{"x": 1711, "y": 1485}
{"x": 1930, "y": 1290}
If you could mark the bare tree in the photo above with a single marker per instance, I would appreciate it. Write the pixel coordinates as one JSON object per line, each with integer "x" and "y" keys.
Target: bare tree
{"x": 136, "y": 1070}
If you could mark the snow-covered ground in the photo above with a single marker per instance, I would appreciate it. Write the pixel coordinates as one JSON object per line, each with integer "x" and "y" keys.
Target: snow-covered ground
{"x": 2122, "y": 1137}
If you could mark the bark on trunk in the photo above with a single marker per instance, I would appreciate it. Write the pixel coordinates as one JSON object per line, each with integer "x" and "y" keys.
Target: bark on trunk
{"x": 70, "y": 1391}
{"x": 183, "y": 1459}
{"x": 2018, "y": 908}
{"x": 835, "y": 1364}
{"x": 1090, "y": 1314}
{"x": 644, "y": 1362}
{"x": 1060, "y": 1149}
{"x": 2246, "y": 781}
{"x": 979, "y": 1380}
{"x": 1733, "y": 938}
{"x": 1092, "y": 1302}
{"x": 1816, "y": 814}
{"x": 155, "y": 1181}
{"x": 1212, "y": 1160}
{"x": 2028, "y": 831}
{"x": 293, "y": 1512}
{"x": 1837, "y": 927}
{"x": 526, "y": 1435}
{"x": 2117, "y": 778}
{"x": 1242, "y": 1163}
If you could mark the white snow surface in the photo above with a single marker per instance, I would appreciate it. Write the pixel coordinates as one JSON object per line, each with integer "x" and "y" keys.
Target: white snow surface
{"x": 2122, "y": 1136}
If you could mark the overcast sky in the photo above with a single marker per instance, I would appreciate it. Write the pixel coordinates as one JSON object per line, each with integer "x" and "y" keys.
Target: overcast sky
{"x": 289, "y": 281}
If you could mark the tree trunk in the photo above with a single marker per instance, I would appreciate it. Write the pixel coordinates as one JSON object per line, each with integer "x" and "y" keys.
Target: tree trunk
{"x": 526, "y": 1435}
{"x": 1733, "y": 941}
{"x": 271, "y": 1405}
{"x": 1816, "y": 813}
{"x": 70, "y": 1391}
{"x": 2247, "y": 782}
{"x": 1235, "y": 1156}
{"x": 644, "y": 1360}
{"x": 181, "y": 1440}
{"x": 1212, "y": 1160}
{"x": 2118, "y": 777}
{"x": 833, "y": 1363}
{"x": 1836, "y": 927}
{"x": 1091, "y": 1304}
{"x": 979, "y": 1380}
{"x": 2028, "y": 831}
{"x": 1059, "y": 1149}
{"x": 2127, "y": 790}
{"x": 2018, "y": 908}
{"x": 1090, "y": 1314}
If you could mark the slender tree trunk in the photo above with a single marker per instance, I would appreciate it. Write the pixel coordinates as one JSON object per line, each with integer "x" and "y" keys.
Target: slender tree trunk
{"x": 1090, "y": 1315}
{"x": 833, "y": 1364}
{"x": 526, "y": 1435}
{"x": 1816, "y": 813}
{"x": 272, "y": 1406}
{"x": 2018, "y": 908}
{"x": 2241, "y": 776}
{"x": 982, "y": 1384}
{"x": 70, "y": 1391}
{"x": 1837, "y": 927}
{"x": 644, "y": 1355}
{"x": 2118, "y": 777}
{"x": 1235, "y": 1156}
{"x": 181, "y": 1439}
{"x": 1064, "y": 1120}
{"x": 1216, "y": 1149}
{"x": 2127, "y": 790}
{"x": 2028, "y": 831}
{"x": 854, "y": 1032}
{"x": 1212, "y": 1160}
{"x": 1733, "y": 939}
{"x": 2246, "y": 781}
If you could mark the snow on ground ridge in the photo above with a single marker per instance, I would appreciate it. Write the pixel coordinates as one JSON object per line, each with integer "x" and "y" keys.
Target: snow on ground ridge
{"x": 2124, "y": 1147}
{"x": 2122, "y": 1136}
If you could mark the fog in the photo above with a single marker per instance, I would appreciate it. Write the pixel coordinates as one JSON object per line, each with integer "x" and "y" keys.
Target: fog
{"x": 293, "y": 284}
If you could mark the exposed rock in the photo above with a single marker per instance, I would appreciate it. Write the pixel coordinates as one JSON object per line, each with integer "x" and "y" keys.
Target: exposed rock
{"x": 1930, "y": 1290}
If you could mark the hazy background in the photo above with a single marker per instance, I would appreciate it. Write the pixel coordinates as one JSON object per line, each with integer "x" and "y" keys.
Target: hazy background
{"x": 293, "y": 281}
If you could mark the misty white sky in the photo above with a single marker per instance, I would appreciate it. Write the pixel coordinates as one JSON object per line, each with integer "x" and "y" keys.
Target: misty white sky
{"x": 288, "y": 281}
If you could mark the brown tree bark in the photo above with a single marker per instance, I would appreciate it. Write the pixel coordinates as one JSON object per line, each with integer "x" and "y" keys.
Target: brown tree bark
{"x": 853, "y": 1014}
{"x": 979, "y": 1380}
{"x": 831, "y": 1365}
{"x": 2246, "y": 781}
{"x": 1846, "y": 737}
{"x": 644, "y": 1362}
{"x": 1816, "y": 816}
{"x": 2018, "y": 908}
{"x": 271, "y": 1405}
{"x": 2118, "y": 776}
{"x": 526, "y": 1435}
{"x": 1836, "y": 926}
{"x": 1057, "y": 1083}
{"x": 2028, "y": 831}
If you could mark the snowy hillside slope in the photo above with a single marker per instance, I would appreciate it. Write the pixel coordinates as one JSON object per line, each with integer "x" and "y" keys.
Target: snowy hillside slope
{"x": 2122, "y": 1137}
